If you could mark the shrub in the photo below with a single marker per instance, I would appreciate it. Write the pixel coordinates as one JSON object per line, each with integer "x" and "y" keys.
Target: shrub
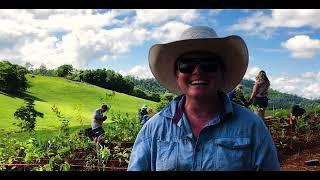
{"x": 164, "y": 101}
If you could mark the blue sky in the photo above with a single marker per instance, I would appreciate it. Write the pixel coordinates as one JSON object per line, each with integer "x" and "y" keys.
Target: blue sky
{"x": 284, "y": 43}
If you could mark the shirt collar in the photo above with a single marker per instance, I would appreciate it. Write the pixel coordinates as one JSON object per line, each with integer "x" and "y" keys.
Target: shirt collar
{"x": 226, "y": 113}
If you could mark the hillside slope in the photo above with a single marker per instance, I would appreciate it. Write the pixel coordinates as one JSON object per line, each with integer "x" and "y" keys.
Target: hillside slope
{"x": 75, "y": 100}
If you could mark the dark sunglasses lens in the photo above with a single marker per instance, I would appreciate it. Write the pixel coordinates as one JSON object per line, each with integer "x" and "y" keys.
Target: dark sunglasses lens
{"x": 209, "y": 66}
{"x": 186, "y": 67}
{"x": 206, "y": 65}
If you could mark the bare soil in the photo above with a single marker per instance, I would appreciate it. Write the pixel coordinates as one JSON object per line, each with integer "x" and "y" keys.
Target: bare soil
{"x": 296, "y": 161}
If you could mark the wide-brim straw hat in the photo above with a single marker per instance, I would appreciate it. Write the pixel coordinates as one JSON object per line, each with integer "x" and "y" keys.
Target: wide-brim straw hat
{"x": 232, "y": 49}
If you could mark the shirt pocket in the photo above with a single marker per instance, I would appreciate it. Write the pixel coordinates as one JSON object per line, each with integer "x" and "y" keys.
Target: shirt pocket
{"x": 233, "y": 153}
{"x": 167, "y": 154}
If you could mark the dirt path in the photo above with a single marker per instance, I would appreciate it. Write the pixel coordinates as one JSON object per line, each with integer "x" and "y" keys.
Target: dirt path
{"x": 296, "y": 161}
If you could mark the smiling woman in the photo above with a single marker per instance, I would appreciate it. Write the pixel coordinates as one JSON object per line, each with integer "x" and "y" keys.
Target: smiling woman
{"x": 198, "y": 73}
{"x": 202, "y": 129}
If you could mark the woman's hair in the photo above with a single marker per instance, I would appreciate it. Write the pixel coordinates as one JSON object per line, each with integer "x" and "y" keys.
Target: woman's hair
{"x": 262, "y": 76}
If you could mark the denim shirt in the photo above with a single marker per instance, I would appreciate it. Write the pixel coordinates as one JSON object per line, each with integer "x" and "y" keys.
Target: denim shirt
{"x": 238, "y": 142}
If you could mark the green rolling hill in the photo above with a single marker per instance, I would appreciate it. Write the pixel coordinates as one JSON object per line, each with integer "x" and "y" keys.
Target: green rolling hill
{"x": 75, "y": 100}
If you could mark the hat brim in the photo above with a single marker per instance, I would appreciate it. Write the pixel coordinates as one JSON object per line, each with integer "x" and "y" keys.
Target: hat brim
{"x": 232, "y": 49}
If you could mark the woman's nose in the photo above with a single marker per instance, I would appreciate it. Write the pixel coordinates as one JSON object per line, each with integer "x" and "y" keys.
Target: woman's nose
{"x": 197, "y": 69}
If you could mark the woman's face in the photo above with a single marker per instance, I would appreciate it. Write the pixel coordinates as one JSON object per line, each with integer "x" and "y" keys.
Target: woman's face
{"x": 204, "y": 80}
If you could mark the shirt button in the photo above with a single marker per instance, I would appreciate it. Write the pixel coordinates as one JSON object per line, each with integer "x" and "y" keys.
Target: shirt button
{"x": 197, "y": 149}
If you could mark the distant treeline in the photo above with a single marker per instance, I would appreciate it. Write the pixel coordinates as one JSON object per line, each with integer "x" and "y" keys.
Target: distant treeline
{"x": 150, "y": 85}
{"x": 104, "y": 78}
{"x": 12, "y": 80}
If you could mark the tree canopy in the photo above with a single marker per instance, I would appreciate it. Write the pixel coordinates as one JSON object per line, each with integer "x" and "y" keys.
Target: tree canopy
{"x": 12, "y": 78}
{"x": 64, "y": 70}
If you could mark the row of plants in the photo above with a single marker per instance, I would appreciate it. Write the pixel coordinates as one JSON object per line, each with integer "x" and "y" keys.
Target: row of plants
{"x": 292, "y": 136}
{"x": 62, "y": 153}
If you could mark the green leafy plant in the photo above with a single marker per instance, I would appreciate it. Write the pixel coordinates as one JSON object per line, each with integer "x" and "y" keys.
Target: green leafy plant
{"x": 121, "y": 154}
{"x": 90, "y": 162}
{"x": 65, "y": 166}
{"x": 103, "y": 154}
{"x": 165, "y": 99}
{"x": 123, "y": 127}
{"x": 53, "y": 163}
{"x": 33, "y": 151}
{"x": 11, "y": 150}
{"x": 78, "y": 109}
{"x": 64, "y": 128}
{"x": 281, "y": 113}
{"x": 108, "y": 99}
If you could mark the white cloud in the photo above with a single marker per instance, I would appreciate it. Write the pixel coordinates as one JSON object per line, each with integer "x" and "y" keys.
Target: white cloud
{"x": 270, "y": 50}
{"x": 80, "y": 47}
{"x": 311, "y": 75}
{"x": 245, "y": 10}
{"x": 254, "y": 25}
{"x": 45, "y": 51}
{"x": 170, "y": 31}
{"x": 156, "y": 16}
{"x": 252, "y": 73}
{"x": 301, "y": 46}
{"x": 306, "y": 85}
{"x": 294, "y": 18}
{"x": 42, "y": 22}
{"x": 214, "y": 11}
{"x": 250, "y": 23}
{"x": 139, "y": 71}
{"x": 300, "y": 32}
{"x": 263, "y": 24}
{"x": 56, "y": 37}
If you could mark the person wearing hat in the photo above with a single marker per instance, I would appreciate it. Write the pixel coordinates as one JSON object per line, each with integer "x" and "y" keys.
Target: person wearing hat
{"x": 201, "y": 129}
{"x": 236, "y": 95}
{"x": 143, "y": 114}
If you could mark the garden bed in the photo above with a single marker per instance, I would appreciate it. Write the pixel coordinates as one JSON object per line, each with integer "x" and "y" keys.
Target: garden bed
{"x": 117, "y": 161}
{"x": 293, "y": 138}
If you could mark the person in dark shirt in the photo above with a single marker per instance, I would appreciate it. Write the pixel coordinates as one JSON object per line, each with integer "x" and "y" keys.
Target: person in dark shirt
{"x": 296, "y": 113}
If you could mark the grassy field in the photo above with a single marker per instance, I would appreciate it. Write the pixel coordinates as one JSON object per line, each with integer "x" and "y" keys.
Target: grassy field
{"x": 76, "y": 101}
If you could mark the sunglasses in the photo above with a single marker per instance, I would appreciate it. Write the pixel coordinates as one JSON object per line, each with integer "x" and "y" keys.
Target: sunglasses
{"x": 187, "y": 65}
